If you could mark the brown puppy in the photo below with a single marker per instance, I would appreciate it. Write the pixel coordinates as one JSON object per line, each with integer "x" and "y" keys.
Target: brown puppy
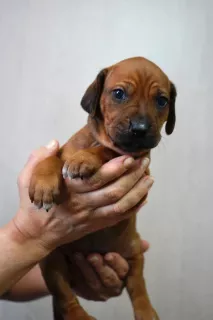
{"x": 128, "y": 104}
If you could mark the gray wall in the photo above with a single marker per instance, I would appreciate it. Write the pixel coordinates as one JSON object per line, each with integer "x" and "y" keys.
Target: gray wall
{"x": 50, "y": 50}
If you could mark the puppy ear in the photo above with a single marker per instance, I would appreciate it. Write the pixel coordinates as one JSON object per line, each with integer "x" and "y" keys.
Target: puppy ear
{"x": 91, "y": 99}
{"x": 171, "y": 117}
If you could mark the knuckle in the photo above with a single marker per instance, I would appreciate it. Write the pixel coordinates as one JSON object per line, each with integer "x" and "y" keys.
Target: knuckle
{"x": 109, "y": 280}
{"x": 94, "y": 182}
{"x": 123, "y": 272}
{"x": 20, "y": 180}
{"x": 139, "y": 194}
{"x": 82, "y": 219}
{"x": 113, "y": 195}
{"x": 136, "y": 175}
{"x": 141, "y": 191}
{"x": 94, "y": 286}
{"x": 32, "y": 155}
{"x": 117, "y": 291}
{"x": 119, "y": 209}
{"x": 103, "y": 297}
{"x": 131, "y": 202}
{"x": 121, "y": 191}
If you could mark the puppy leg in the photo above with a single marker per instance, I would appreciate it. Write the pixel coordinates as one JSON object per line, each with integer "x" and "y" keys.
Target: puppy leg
{"x": 56, "y": 311}
{"x": 136, "y": 288}
{"x": 57, "y": 278}
{"x": 86, "y": 162}
{"x": 47, "y": 183}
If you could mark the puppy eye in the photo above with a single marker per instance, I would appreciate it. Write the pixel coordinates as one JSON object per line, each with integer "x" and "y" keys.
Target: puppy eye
{"x": 119, "y": 94}
{"x": 161, "y": 102}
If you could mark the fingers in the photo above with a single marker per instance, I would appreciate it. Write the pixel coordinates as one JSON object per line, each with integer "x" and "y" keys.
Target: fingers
{"x": 88, "y": 272}
{"x": 107, "y": 173}
{"x": 35, "y": 157}
{"x": 107, "y": 274}
{"x": 118, "y": 189}
{"x": 101, "y": 278}
{"x": 109, "y": 219}
{"x": 117, "y": 263}
{"x": 129, "y": 201}
{"x": 111, "y": 171}
{"x": 145, "y": 245}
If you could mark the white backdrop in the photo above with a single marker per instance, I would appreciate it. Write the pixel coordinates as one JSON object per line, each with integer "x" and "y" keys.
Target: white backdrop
{"x": 50, "y": 50}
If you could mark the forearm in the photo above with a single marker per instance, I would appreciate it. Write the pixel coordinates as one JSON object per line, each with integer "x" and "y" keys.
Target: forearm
{"x": 32, "y": 286}
{"x": 19, "y": 255}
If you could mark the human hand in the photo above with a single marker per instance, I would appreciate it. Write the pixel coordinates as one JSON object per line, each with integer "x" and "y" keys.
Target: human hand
{"x": 105, "y": 199}
{"x": 102, "y": 276}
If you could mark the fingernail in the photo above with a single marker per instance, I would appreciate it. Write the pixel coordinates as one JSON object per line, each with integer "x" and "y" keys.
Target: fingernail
{"x": 64, "y": 172}
{"x": 109, "y": 257}
{"x": 47, "y": 206}
{"x": 93, "y": 259}
{"x": 145, "y": 162}
{"x": 128, "y": 162}
{"x": 149, "y": 182}
{"x": 51, "y": 144}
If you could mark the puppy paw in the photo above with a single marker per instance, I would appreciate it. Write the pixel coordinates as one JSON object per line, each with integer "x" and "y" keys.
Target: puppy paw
{"x": 46, "y": 186}
{"x": 82, "y": 165}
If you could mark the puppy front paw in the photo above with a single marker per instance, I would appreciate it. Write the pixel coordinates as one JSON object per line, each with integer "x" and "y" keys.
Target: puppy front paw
{"x": 82, "y": 164}
{"x": 46, "y": 186}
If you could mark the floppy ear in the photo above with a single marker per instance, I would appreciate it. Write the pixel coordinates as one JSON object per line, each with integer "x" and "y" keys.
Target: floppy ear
{"x": 171, "y": 117}
{"x": 91, "y": 99}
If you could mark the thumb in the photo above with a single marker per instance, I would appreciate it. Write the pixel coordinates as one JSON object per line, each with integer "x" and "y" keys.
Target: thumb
{"x": 36, "y": 156}
{"x": 145, "y": 245}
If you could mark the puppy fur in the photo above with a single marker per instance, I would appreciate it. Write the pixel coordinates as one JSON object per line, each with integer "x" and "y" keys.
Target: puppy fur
{"x": 128, "y": 103}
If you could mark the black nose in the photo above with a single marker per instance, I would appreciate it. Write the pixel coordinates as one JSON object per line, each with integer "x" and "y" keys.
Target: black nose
{"x": 139, "y": 127}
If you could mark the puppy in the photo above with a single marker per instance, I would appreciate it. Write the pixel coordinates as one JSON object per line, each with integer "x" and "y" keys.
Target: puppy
{"x": 128, "y": 103}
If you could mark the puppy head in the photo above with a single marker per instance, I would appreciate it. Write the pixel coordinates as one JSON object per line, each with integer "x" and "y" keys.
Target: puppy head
{"x": 128, "y": 104}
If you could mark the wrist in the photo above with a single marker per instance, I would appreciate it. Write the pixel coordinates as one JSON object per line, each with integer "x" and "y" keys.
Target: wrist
{"x": 26, "y": 243}
{"x": 19, "y": 256}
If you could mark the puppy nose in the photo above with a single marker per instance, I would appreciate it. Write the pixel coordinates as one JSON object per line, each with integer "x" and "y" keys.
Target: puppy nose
{"x": 139, "y": 127}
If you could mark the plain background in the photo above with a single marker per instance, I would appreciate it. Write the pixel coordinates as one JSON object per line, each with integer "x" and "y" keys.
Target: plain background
{"x": 50, "y": 51}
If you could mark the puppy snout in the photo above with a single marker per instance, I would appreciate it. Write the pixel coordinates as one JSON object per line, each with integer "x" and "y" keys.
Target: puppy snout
{"x": 139, "y": 127}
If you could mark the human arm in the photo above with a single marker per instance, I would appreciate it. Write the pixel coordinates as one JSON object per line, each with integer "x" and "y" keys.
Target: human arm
{"x": 32, "y": 285}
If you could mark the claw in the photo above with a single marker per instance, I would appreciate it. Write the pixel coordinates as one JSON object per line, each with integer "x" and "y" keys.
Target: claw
{"x": 64, "y": 172}
{"x": 70, "y": 176}
{"x": 47, "y": 206}
{"x": 73, "y": 175}
{"x": 38, "y": 205}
